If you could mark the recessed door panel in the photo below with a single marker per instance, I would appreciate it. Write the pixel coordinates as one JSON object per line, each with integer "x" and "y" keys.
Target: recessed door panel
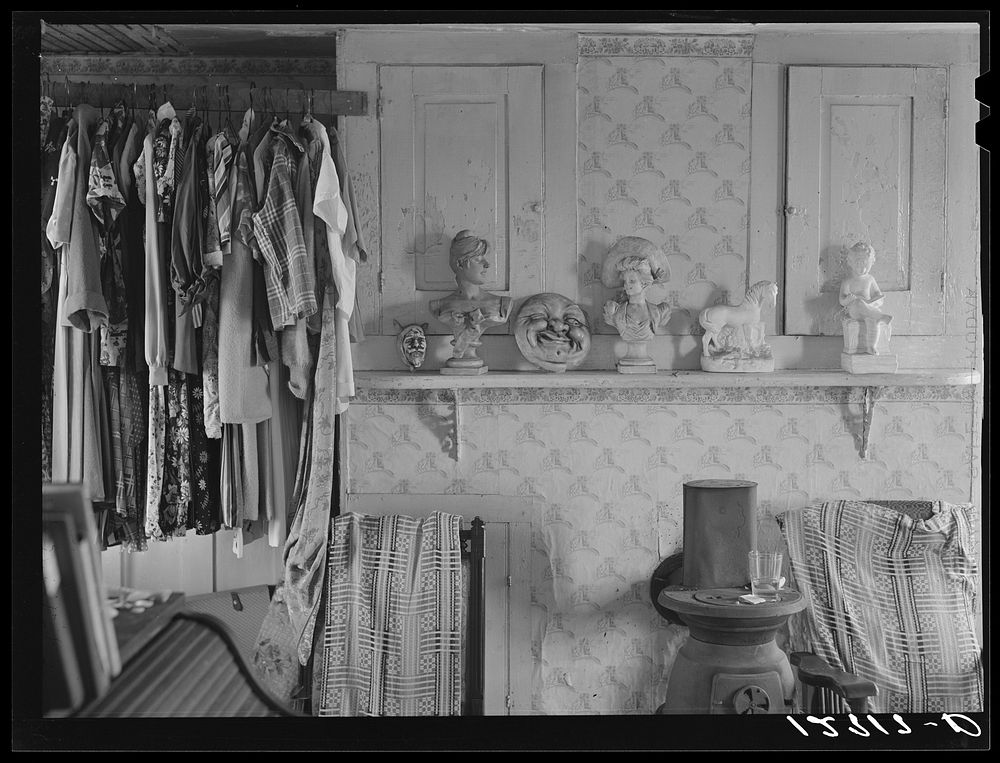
{"x": 461, "y": 148}
{"x": 866, "y": 162}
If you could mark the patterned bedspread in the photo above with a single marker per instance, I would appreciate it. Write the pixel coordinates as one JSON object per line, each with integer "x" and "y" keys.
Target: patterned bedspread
{"x": 892, "y": 600}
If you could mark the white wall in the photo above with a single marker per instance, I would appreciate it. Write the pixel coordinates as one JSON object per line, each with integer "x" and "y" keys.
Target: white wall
{"x": 597, "y": 645}
{"x": 955, "y": 47}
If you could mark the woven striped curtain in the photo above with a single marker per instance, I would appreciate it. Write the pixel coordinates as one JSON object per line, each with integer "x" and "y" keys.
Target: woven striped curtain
{"x": 393, "y": 624}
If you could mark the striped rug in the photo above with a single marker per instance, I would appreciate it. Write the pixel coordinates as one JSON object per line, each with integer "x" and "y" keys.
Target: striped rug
{"x": 892, "y": 599}
{"x": 393, "y": 624}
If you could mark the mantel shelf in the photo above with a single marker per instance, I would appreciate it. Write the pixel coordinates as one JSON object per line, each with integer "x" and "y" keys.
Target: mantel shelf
{"x": 665, "y": 387}
{"x": 403, "y": 380}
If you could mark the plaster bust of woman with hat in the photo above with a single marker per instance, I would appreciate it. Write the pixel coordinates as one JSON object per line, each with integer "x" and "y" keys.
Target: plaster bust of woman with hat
{"x": 469, "y": 310}
{"x": 633, "y": 263}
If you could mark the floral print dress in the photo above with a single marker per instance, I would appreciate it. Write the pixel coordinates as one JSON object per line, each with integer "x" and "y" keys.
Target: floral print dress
{"x": 176, "y": 495}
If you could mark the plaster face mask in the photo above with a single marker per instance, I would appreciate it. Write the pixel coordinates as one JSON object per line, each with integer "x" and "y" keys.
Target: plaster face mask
{"x": 412, "y": 344}
{"x": 552, "y": 332}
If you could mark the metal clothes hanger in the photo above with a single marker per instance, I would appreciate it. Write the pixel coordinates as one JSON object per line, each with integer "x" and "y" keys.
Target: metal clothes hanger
{"x": 229, "y": 111}
{"x": 307, "y": 116}
{"x": 221, "y": 121}
{"x": 64, "y": 97}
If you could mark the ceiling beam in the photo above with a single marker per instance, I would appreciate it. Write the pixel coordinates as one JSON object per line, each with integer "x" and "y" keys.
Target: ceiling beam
{"x": 124, "y": 42}
{"x": 72, "y": 37}
{"x": 97, "y": 37}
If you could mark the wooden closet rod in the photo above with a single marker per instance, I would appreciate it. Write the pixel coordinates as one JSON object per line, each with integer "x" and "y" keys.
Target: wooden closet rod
{"x": 206, "y": 96}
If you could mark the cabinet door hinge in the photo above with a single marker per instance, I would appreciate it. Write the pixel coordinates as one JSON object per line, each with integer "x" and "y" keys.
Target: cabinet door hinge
{"x": 944, "y": 281}
{"x": 509, "y": 702}
{"x": 381, "y": 281}
{"x": 944, "y": 108}
{"x": 509, "y": 581}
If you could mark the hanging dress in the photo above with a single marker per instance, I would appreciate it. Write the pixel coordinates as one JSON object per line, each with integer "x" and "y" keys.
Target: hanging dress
{"x": 189, "y": 283}
{"x": 52, "y": 145}
{"x": 244, "y": 396}
{"x": 80, "y": 434}
{"x": 133, "y": 375}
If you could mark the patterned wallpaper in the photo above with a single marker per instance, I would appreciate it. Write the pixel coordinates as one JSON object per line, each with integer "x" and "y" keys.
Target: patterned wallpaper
{"x": 664, "y": 153}
{"x": 609, "y": 467}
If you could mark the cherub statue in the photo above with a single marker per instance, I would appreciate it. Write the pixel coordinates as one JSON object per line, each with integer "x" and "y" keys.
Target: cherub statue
{"x": 469, "y": 310}
{"x": 633, "y": 263}
{"x": 747, "y": 351}
{"x": 860, "y": 305}
{"x": 411, "y": 343}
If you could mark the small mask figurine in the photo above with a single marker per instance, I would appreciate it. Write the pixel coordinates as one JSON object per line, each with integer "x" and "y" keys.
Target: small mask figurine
{"x": 552, "y": 332}
{"x": 634, "y": 263}
{"x": 861, "y": 308}
{"x": 411, "y": 342}
{"x": 469, "y": 310}
{"x": 733, "y": 341}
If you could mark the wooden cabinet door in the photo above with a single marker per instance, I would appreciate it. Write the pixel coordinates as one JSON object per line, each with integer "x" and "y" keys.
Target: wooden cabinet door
{"x": 461, "y": 148}
{"x": 866, "y": 162}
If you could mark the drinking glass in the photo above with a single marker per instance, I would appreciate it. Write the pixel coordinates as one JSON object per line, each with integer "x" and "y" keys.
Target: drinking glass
{"x": 765, "y": 574}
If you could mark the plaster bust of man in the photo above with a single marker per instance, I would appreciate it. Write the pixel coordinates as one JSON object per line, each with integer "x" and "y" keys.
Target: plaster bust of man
{"x": 552, "y": 332}
{"x": 470, "y": 309}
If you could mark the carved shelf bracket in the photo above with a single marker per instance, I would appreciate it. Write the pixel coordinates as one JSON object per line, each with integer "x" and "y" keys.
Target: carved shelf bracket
{"x": 453, "y": 442}
{"x": 871, "y": 395}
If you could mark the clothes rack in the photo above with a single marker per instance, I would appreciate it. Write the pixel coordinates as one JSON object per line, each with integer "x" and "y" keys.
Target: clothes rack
{"x": 101, "y": 92}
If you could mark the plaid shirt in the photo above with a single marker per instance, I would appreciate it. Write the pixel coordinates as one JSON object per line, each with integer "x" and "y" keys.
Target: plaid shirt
{"x": 291, "y": 287}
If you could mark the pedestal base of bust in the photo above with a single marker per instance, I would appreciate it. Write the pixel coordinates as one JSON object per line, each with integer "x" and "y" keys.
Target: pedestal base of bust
{"x": 636, "y": 366}
{"x": 735, "y": 364}
{"x": 636, "y": 360}
{"x": 464, "y": 367}
{"x": 863, "y": 363}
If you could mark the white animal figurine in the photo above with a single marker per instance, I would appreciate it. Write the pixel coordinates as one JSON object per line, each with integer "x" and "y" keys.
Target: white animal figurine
{"x": 745, "y": 349}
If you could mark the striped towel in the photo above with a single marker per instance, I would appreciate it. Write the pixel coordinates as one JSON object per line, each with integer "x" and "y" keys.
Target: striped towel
{"x": 392, "y": 639}
{"x": 892, "y": 599}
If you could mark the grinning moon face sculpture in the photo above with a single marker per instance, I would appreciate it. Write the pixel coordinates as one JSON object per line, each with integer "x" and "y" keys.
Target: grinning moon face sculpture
{"x": 411, "y": 342}
{"x": 552, "y": 332}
